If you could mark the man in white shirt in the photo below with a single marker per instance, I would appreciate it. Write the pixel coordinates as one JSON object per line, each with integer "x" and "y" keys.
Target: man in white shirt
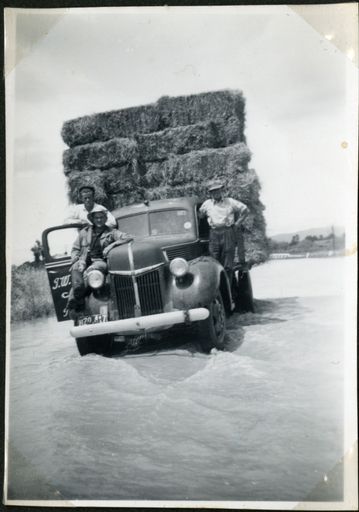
{"x": 79, "y": 212}
{"x": 224, "y": 214}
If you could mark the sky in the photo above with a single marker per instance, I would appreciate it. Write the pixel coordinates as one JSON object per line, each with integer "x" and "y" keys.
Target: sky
{"x": 300, "y": 85}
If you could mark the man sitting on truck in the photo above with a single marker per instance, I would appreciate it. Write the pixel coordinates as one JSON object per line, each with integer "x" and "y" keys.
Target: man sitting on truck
{"x": 79, "y": 212}
{"x": 88, "y": 253}
{"x": 224, "y": 215}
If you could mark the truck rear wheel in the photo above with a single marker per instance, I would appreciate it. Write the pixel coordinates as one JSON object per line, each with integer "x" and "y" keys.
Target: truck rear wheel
{"x": 212, "y": 331}
{"x": 95, "y": 345}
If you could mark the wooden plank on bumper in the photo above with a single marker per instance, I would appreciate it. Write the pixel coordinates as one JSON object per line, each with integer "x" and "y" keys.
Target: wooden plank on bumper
{"x": 141, "y": 323}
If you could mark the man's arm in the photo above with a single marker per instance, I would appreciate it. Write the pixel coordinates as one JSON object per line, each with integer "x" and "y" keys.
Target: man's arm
{"x": 241, "y": 211}
{"x": 76, "y": 250}
{"x": 115, "y": 238}
{"x": 74, "y": 216}
{"x": 202, "y": 212}
{"x": 118, "y": 235}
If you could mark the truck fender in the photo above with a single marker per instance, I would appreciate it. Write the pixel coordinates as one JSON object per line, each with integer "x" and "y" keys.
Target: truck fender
{"x": 199, "y": 287}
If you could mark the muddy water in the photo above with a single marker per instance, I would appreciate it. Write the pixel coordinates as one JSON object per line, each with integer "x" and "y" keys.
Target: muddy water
{"x": 261, "y": 421}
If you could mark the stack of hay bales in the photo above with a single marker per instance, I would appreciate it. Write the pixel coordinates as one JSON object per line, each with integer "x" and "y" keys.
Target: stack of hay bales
{"x": 174, "y": 147}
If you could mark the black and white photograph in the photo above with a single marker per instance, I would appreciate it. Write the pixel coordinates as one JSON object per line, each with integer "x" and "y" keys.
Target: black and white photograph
{"x": 181, "y": 205}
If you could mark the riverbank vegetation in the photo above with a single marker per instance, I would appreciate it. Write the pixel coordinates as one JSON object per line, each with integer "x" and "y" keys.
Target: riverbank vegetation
{"x": 311, "y": 244}
{"x": 30, "y": 292}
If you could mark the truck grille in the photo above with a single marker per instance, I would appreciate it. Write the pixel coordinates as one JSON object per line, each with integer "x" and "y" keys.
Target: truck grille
{"x": 149, "y": 291}
{"x": 125, "y": 296}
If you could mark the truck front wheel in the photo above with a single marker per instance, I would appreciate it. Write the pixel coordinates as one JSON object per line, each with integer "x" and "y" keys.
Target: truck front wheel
{"x": 95, "y": 345}
{"x": 212, "y": 331}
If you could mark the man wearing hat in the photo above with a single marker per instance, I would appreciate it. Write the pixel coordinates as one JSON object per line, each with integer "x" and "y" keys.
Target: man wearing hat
{"x": 79, "y": 212}
{"x": 224, "y": 214}
{"x": 88, "y": 253}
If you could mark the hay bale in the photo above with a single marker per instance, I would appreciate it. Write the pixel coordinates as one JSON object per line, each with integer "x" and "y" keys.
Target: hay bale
{"x": 99, "y": 155}
{"x": 121, "y": 179}
{"x": 108, "y": 125}
{"x": 168, "y": 192}
{"x": 244, "y": 186}
{"x": 166, "y": 113}
{"x": 183, "y": 139}
{"x": 124, "y": 179}
{"x": 198, "y": 165}
{"x": 256, "y": 249}
{"x": 173, "y": 148}
{"x": 196, "y": 108}
{"x": 95, "y": 178}
{"x": 154, "y": 174}
{"x": 233, "y": 130}
{"x": 136, "y": 195}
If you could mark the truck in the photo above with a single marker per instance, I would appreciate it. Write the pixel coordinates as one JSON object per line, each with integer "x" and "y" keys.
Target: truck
{"x": 163, "y": 280}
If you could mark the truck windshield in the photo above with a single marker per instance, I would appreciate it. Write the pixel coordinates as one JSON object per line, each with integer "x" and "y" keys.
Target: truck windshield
{"x": 165, "y": 222}
{"x": 136, "y": 225}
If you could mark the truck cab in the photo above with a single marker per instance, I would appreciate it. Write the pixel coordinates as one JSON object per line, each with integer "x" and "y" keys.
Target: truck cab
{"x": 162, "y": 279}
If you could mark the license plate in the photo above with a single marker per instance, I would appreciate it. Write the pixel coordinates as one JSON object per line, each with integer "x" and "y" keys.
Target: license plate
{"x": 92, "y": 319}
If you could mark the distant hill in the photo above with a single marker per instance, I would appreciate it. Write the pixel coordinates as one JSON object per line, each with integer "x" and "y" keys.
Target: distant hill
{"x": 287, "y": 237}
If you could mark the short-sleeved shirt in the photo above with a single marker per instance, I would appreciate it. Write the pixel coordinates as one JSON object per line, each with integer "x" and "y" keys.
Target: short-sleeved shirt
{"x": 78, "y": 213}
{"x": 222, "y": 213}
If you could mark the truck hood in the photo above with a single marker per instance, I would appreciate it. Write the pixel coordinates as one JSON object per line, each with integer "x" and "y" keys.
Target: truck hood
{"x": 136, "y": 255}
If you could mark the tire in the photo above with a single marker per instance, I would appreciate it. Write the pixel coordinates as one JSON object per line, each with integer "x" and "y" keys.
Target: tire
{"x": 243, "y": 294}
{"x": 95, "y": 345}
{"x": 212, "y": 331}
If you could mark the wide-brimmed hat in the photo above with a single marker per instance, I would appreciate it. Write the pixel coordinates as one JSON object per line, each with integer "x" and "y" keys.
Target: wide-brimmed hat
{"x": 216, "y": 185}
{"x": 97, "y": 209}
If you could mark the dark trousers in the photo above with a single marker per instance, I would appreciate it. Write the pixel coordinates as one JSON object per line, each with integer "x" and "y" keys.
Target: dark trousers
{"x": 222, "y": 246}
{"x": 78, "y": 284}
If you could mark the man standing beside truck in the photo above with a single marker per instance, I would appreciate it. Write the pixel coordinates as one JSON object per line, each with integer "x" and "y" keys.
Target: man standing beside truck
{"x": 224, "y": 215}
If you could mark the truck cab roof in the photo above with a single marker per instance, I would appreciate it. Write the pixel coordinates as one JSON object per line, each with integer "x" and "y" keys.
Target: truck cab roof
{"x": 156, "y": 205}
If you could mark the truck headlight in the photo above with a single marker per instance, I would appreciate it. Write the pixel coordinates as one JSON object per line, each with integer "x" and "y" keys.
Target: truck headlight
{"x": 95, "y": 278}
{"x": 179, "y": 267}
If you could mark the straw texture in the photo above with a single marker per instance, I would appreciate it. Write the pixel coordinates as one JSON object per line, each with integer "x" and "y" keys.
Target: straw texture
{"x": 173, "y": 148}
{"x": 99, "y": 155}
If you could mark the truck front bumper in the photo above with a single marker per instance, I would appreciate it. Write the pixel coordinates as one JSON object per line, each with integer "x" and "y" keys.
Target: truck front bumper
{"x": 141, "y": 324}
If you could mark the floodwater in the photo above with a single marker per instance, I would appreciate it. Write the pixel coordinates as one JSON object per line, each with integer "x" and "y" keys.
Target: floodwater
{"x": 261, "y": 421}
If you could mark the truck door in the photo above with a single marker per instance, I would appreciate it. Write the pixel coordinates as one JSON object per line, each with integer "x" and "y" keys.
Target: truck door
{"x": 57, "y": 243}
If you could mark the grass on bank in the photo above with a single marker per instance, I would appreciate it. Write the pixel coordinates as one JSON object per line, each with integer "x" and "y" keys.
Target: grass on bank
{"x": 30, "y": 293}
